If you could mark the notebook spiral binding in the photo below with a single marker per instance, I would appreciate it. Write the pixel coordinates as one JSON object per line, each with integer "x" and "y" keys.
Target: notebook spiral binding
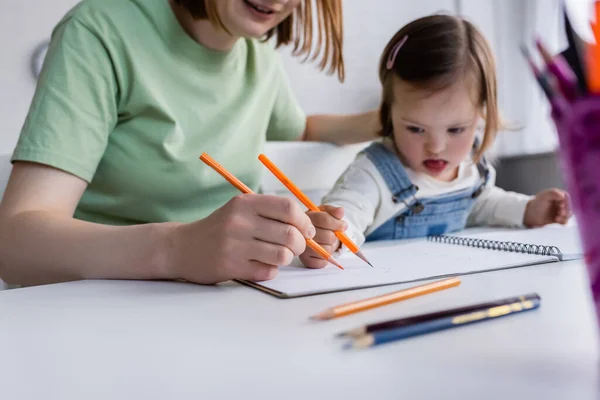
{"x": 514, "y": 247}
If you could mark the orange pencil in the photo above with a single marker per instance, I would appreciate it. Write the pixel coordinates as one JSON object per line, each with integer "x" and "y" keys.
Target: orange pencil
{"x": 593, "y": 55}
{"x": 373, "y": 302}
{"x": 309, "y": 204}
{"x": 245, "y": 189}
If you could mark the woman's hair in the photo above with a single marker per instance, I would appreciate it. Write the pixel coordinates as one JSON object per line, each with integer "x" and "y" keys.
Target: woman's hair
{"x": 441, "y": 50}
{"x": 297, "y": 28}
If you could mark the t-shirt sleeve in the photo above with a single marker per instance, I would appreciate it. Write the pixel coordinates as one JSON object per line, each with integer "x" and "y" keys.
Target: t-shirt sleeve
{"x": 74, "y": 108}
{"x": 288, "y": 120}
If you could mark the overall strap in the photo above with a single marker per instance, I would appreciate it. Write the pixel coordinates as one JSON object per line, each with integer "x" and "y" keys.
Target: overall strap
{"x": 392, "y": 170}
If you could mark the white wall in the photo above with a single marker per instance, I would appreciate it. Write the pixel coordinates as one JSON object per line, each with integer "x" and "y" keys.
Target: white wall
{"x": 23, "y": 25}
{"x": 581, "y": 13}
{"x": 368, "y": 26}
{"x": 508, "y": 24}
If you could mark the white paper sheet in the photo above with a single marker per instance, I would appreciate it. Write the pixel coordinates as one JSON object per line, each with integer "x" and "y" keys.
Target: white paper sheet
{"x": 407, "y": 261}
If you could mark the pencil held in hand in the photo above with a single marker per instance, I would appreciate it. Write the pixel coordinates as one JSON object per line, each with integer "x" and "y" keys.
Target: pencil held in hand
{"x": 309, "y": 204}
{"x": 245, "y": 189}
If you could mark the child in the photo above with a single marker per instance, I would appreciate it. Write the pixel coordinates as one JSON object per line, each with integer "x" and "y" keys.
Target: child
{"x": 428, "y": 174}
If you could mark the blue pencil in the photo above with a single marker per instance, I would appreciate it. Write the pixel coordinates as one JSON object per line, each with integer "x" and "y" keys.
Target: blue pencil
{"x": 526, "y": 303}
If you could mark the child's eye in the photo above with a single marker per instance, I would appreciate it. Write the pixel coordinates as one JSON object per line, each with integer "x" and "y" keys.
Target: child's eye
{"x": 414, "y": 129}
{"x": 456, "y": 131}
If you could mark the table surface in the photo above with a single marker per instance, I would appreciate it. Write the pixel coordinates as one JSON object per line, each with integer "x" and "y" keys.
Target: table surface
{"x": 157, "y": 340}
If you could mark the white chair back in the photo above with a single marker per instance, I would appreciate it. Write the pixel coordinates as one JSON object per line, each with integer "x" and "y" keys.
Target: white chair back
{"x": 313, "y": 167}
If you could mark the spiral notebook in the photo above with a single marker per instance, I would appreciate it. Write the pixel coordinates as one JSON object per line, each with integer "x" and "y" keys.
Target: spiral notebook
{"x": 431, "y": 258}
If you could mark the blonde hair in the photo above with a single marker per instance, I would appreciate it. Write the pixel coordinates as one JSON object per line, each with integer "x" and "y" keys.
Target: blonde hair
{"x": 297, "y": 28}
{"x": 441, "y": 50}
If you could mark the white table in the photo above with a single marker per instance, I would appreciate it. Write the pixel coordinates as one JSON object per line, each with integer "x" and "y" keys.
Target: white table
{"x": 165, "y": 340}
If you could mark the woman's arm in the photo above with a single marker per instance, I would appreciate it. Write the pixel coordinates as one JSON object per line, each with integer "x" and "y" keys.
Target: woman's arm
{"x": 41, "y": 242}
{"x": 342, "y": 129}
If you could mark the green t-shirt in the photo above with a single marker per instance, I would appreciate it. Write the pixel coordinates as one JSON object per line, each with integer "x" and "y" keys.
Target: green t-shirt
{"x": 128, "y": 101}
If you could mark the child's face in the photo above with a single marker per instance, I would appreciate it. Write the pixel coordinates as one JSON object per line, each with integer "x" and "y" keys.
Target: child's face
{"x": 434, "y": 132}
{"x": 254, "y": 18}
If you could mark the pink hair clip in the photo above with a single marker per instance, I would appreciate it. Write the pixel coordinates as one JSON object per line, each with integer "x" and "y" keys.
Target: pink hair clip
{"x": 392, "y": 58}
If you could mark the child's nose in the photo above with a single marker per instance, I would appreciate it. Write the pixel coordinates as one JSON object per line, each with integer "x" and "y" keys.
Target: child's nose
{"x": 436, "y": 144}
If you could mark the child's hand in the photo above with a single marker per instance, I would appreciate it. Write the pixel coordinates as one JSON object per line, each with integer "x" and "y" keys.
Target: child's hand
{"x": 326, "y": 222}
{"x": 548, "y": 207}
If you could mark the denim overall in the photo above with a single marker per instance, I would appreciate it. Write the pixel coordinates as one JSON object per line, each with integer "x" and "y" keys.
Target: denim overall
{"x": 430, "y": 216}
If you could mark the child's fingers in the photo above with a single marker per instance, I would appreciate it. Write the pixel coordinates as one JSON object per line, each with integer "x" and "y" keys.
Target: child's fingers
{"x": 554, "y": 195}
{"x": 337, "y": 212}
{"x": 562, "y": 210}
{"x": 317, "y": 263}
{"x": 311, "y": 260}
{"x": 314, "y": 262}
{"x": 327, "y": 247}
{"x": 562, "y": 213}
{"x": 566, "y": 213}
{"x": 567, "y": 205}
{"x": 325, "y": 237}
{"x": 326, "y": 221}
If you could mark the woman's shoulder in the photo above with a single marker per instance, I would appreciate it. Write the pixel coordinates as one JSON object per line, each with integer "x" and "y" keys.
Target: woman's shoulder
{"x": 92, "y": 12}
{"x": 116, "y": 20}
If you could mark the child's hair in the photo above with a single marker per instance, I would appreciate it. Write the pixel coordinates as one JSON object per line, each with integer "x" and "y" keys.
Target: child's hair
{"x": 297, "y": 28}
{"x": 440, "y": 50}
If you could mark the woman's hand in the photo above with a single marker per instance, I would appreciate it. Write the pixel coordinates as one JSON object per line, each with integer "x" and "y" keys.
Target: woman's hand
{"x": 248, "y": 238}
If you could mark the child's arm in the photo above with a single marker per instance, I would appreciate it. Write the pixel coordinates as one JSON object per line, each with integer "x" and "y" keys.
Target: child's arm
{"x": 498, "y": 207}
{"x": 352, "y": 202}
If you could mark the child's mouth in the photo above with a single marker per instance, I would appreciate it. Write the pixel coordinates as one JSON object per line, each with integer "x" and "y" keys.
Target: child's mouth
{"x": 435, "y": 166}
{"x": 258, "y": 8}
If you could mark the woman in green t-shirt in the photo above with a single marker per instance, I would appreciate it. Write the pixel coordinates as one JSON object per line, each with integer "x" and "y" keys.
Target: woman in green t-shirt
{"x": 106, "y": 181}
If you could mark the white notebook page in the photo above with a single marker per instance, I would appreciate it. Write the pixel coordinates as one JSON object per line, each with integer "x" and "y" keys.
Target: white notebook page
{"x": 395, "y": 262}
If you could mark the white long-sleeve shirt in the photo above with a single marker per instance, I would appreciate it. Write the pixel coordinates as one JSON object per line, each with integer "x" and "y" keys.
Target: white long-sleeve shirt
{"x": 367, "y": 200}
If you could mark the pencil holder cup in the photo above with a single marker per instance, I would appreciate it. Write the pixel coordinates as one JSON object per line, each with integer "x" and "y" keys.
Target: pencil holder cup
{"x": 578, "y": 127}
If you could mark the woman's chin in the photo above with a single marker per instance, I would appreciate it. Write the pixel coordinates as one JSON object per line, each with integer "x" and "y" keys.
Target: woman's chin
{"x": 252, "y": 31}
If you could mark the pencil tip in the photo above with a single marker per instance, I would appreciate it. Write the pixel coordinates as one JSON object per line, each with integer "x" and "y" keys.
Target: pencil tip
{"x": 337, "y": 264}
{"x": 362, "y": 257}
{"x": 320, "y": 317}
